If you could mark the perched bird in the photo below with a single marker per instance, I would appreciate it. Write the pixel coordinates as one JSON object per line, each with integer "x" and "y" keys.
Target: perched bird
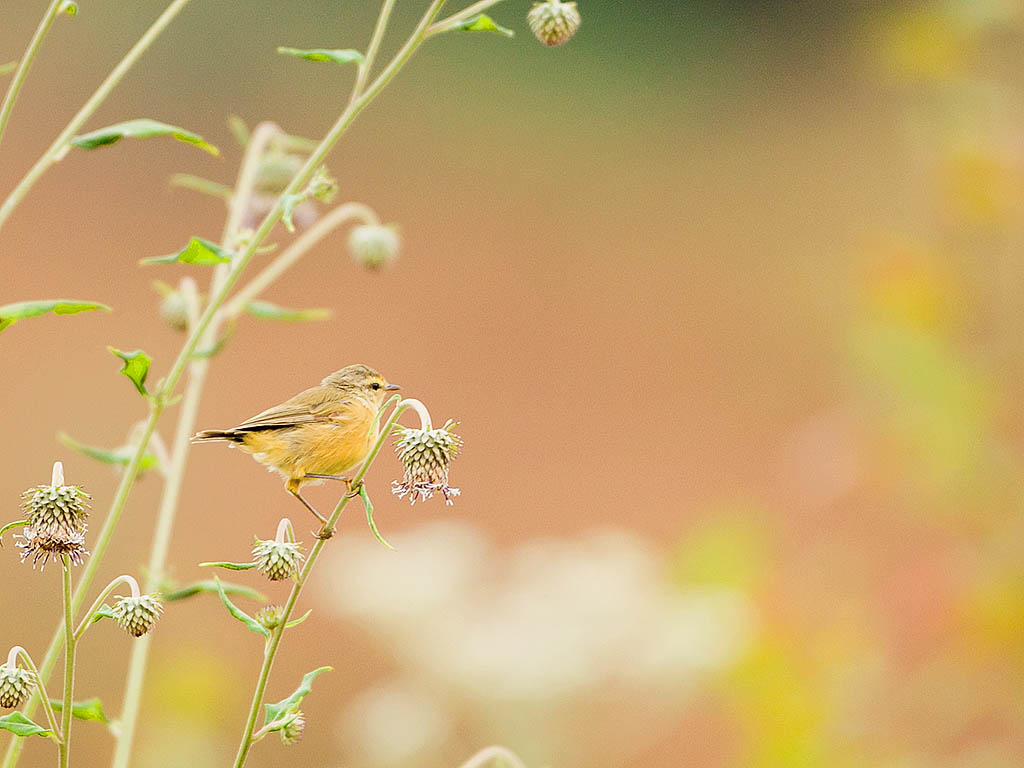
{"x": 319, "y": 434}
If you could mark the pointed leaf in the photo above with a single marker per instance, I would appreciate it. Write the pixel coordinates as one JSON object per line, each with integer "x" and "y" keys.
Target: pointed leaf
{"x": 117, "y": 456}
{"x": 484, "y": 23}
{"x": 11, "y": 313}
{"x": 140, "y": 129}
{"x": 296, "y": 622}
{"x": 199, "y": 184}
{"x": 91, "y": 709}
{"x": 347, "y": 56}
{"x": 229, "y": 566}
{"x": 210, "y": 585}
{"x": 368, "y": 506}
{"x": 6, "y": 69}
{"x": 103, "y": 612}
{"x": 278, "y": 710}
{"x": 6, "y": 528}
{"x": 20, "y": 725}
{"x": 198, "y": 251}
{"x": 267, "y": 311}
{"x": 136, "y": 367}
{"x": 241, "y": 615}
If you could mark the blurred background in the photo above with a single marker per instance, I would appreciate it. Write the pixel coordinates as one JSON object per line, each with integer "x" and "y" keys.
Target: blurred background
{"x": 727, "y": 298}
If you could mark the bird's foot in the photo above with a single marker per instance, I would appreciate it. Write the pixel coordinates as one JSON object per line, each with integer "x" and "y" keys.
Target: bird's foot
{"x": 342, "y": 478}
{"x": 354, "y": 489}
{"x": 324, "y": 533}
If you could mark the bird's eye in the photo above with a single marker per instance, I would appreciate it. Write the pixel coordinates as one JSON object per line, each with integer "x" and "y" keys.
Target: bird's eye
{"x": 375, "y": 385}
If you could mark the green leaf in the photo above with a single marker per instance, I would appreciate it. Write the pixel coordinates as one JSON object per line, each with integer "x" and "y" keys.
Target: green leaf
{"x": 136, "y": 367}
{"x": 239, "y": 130}
{"x": 6, "y": 528}
{"x": 91, "y": 709}
{"x": 288, "y": 205}
{"x": 484, "y": 23}
{"x": 296, "y": 622}
{"x": 103, "y": 612}
{"x": 68, "y": 7}
{"x": 241, "y": 615}
{"x": 267, "y": 311}
{"x": 140, "y": 129}
{"x": 11, "y": 313}
{"x": 199, "y": 184}
{"x": 198, "y": 251}
{"x": 368, "y": 506}
{"x": 180, "y": 593}
{"x": 346, "y": 56}
{"x": 6, "y": 69}
{"x": 229, "y": 566}
{"x": 118, "y": 456}
{"x": 281, "y": 708}
{"x": 20, "y": 725}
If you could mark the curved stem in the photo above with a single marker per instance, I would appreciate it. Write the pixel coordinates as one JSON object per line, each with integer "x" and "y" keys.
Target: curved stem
{"x": 487, "y": 754}
{"x": 421, "y": 411}
{"x": 57, "y": 475}
{"x": 285, "y": 528}
{"x": 290, "y": 255}
{"x": 60, "y": 145}
{"x": 275, "y": 638}
{"x": 86, "y": 621}
{"x": 51, "y": 717}
{"x": 449, "y": 22}
{"x": 26, "y": 61}
{"x": 64, "y": 748}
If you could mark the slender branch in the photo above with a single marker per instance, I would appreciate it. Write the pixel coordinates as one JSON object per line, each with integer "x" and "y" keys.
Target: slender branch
{"x": 64, "y": 748}
{"x": 51, "y": 717}
{"x": 26, "y": 62}
{"x": 60, "y": 145}
{"x": 371, "y": 52}
{"x": 290, "y": 255}
{"x": 86, "y": 621}
{"x": 450, "y": 22}
{"x": 487, "y": 754}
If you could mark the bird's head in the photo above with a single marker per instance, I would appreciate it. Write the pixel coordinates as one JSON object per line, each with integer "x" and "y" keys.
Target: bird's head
{"x": 361, "y": 381}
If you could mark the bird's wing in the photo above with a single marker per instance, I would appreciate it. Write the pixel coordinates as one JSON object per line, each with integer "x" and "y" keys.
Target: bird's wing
{"x": 304, "y": 408}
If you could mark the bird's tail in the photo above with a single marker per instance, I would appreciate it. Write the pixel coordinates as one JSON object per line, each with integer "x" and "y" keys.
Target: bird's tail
{"x": 214, "y": 435}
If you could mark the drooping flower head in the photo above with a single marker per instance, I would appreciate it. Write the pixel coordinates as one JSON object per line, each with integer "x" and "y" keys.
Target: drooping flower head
{"x": 136, "y": 615}
{"x": 277, "y": 559}
{"x": 15, "y": 685}
{"x": 554, "y": 22}
{"x": 426, "y": 455}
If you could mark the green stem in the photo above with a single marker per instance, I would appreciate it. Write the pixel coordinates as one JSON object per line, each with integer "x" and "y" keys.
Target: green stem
{"x": 60, "y": 145}
{"x": 86, "y": 621}
{"x": 450, "y": 22}
{"x": 275, "y": 638}
{"x": 26, "y": 62}
{"x": 372, "y": 49}
{"x": 64, "y": 748}
{"x": 490, "y": 754}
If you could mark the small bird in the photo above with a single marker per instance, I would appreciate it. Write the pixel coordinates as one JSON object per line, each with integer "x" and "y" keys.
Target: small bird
{"x": 319, "y": 434}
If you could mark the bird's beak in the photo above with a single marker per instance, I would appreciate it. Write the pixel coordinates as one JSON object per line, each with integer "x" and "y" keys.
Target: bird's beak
{"x": 391, "y": 387}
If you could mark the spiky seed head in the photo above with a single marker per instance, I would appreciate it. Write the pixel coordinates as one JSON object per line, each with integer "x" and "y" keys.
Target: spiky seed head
{"x": 56, "y": 510}
{"x": 270, "y": 616}
{"x": 426, "y": 455}
{"x": 174, "y": 311}
{"x": 137, "y": 615}
{"x": 15, "y": 685}
{"x": 554, "y": 22}
{"x": 374, "y": 245}
{"x": 277, "y": 560}
{"x": 40, "y": 546}
{"x": 292, "y": 732}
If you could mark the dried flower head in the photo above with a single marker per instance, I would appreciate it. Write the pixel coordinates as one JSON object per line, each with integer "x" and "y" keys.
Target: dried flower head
{"x": 270, "y": 616}
{"x": 374, "y": 245}
{"x": 56, "y": 510}
{"x": 40, "y": 546}
{"x": 137, "y": 615}
{"x": 426, "y": 455}
{"x": 292, "y": 732}
{"x": 15, "y": 685}
{"x": 277, "y": 559}
{"x": 554, "y": 22}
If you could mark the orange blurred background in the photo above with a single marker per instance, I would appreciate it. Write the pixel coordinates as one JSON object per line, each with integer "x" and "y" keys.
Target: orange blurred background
{"x": 726, "y": 297}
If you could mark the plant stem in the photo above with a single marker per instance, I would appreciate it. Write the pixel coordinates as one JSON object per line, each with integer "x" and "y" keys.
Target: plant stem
{"x": 86, "y": 621}
{"x": 60, "y": 144}
{"x": 64, "y": 748}
{"x": 302, "y": 244}
{"x": 26, "y": 61}
{"x": 371, "y": 51}
{"x": 275, "y": 638}
{"x": 487, "y": 754}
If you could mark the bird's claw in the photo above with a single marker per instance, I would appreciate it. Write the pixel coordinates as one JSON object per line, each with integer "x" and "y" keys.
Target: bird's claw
{"x": 324, "y": 533}
{"x": 355, "y": 490}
